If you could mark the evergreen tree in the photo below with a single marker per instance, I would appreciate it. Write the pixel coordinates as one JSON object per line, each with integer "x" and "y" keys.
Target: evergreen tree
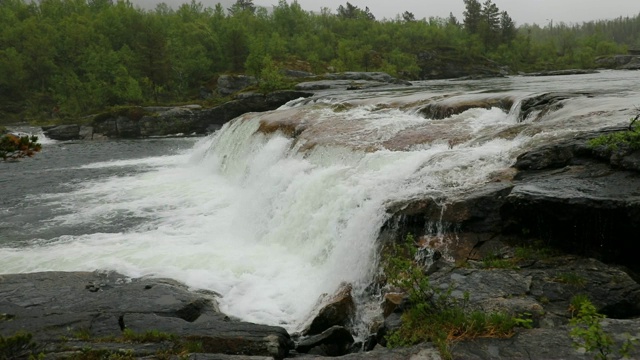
{"x": 408, "y": 16}
{"x": 490, "y": 25}
{"x": 507, "y": 28}
{"x": 241, "y": 6}
{"x": 472, "y": 16}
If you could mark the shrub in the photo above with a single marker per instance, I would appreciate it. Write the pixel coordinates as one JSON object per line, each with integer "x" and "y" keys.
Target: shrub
{"x": 16, "y": 346}
{"x": 586, "y": 330}
{"x": 629, "y": 139}
{"x": 434, "y": 314}
{"x": 14, "y": 147}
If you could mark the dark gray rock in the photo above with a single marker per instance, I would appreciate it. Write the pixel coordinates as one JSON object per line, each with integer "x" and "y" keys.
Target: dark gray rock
{"x": 187, "y": 120}
{"x": 62, "y": 132}
{"x": 419, "y": 352}
{"x": 449, "y": 107}
{"x": 579, "y": 199}
{"x": 541, "y": 343}
{"x": 339, "y": 84}
{"x": 334, "y": 341}
{"x": 334, "y": 310}
{"x": 351, "y": 81}
{"x": 540, "y": 105}
{"x": 57, "y": 305}
{"x": 367, "y": 76}
{"x": 628, "y": 62}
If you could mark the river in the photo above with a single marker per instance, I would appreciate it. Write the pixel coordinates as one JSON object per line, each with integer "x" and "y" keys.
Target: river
{"x": 272, "y": 222}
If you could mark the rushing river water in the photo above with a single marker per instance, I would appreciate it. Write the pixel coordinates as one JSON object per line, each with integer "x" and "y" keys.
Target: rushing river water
{"x": 268, "y": 221}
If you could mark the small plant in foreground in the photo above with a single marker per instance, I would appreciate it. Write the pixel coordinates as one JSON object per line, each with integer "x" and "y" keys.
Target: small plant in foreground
{"x": 587, "y": 332}
{"x": 498, "y": 262}
{"x": 571, "y": 278}
{"x": 17, "y": 346}
{"x": 434, "y": 314}
{"x": 151, "y": 336}
{"x": 612, "y": 142}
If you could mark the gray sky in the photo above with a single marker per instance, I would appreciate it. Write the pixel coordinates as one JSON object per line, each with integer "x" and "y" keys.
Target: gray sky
{"x": 522, "y": 11}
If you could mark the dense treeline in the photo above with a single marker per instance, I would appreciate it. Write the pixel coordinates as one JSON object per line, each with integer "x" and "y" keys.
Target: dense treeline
{"x": 79, "y": 56}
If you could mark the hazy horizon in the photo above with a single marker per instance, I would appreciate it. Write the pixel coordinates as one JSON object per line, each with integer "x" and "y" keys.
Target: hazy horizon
{"x": 541, "y": 12}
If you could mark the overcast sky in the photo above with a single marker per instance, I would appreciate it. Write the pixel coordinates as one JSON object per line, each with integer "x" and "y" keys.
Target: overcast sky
{"x": 540, "y": 12}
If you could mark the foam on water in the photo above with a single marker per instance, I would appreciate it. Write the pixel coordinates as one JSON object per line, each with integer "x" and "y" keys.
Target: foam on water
{"x": 250, "y": 217}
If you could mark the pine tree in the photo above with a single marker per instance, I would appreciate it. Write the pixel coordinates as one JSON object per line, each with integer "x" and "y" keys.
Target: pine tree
{"x": 507, "y": 28}
{"x": 472, "y": 16}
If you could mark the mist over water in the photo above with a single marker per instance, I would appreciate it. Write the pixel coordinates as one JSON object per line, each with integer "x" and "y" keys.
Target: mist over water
{"x": 270, "y": 222}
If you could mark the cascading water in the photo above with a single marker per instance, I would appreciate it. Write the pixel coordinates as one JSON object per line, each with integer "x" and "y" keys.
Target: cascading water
{"x": 272, "y": 219}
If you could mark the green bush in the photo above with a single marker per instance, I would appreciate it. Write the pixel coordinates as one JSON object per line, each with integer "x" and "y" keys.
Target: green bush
{"x": 434, "y": 314}
{"x": 629, "y": 139}
{"x": 14, "y": 147}
{"x": 587, "y": 333}
{"x": 16, "y": 346}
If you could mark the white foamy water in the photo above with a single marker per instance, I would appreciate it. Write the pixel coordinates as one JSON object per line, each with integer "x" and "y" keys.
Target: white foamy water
{"x": 268, "y": 222}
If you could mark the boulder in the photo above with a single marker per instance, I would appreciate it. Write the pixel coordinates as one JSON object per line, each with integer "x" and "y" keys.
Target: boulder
{"x": 334, "y": 310}
{"x": 449, "y": 107}
{"x": 542, "y": 104}
{"x": 62, "y": 132}
{"x": 334, "y": 341}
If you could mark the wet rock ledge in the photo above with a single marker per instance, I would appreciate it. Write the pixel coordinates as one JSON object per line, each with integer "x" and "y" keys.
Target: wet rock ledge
{"x": 105, "y": 315}
{"x": 70, "y": 312}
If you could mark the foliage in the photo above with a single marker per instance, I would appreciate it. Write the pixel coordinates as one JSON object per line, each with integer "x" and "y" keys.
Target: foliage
{"x": 83, "y": 56}
{"x": 148, "y": 336}
{"x": 628, "y": 139}
{"x": 571, "y": 278}
{"x": 534, "y": 251}
{"x": 271, "y": 78}
{"x": 498, "y": 262}
{"x": 434, "y": 314}
{"x": 587, "y": 331}
{"x": 17, "y": 346}
{"x": 13, "y": 147}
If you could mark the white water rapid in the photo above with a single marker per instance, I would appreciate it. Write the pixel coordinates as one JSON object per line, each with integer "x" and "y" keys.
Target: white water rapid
{"x": 270, "y": 222}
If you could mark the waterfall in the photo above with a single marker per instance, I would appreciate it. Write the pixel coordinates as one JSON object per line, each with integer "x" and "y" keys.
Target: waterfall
{"x": 278, "y": 208}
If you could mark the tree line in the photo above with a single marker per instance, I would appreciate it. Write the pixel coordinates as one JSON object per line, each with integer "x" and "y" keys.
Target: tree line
{"x": 79, "y": 56}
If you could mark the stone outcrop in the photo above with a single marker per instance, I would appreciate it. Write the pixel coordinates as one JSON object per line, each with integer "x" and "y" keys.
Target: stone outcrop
{"x": 569, "y": 195}
{"x": 620, "y": 62}
{"x": 57, "y": 306}
{"x": 335, "y": 341}
{"x": 62, "y": 132}
{"x": 543, "y": 104}
{"x": 336, "y": 310}
{"x": 448, "y": 107}
{"x": 144, "y": 122}
{"x": 350, "y": 81}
